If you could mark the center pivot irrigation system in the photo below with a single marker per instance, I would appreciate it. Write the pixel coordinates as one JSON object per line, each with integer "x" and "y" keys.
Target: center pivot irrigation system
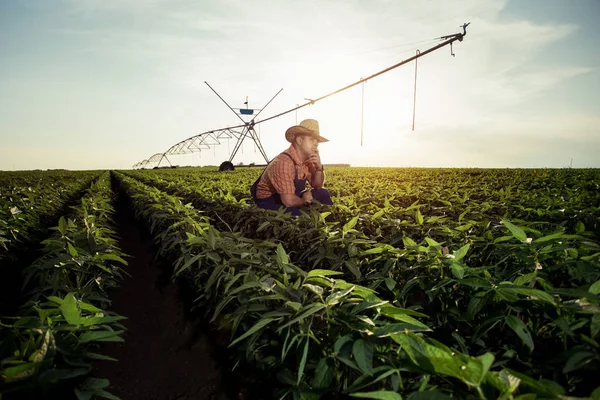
{"x": 206, "y": 140}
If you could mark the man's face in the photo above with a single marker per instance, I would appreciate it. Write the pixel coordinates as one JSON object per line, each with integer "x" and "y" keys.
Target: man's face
{"x": 308, "y": 145}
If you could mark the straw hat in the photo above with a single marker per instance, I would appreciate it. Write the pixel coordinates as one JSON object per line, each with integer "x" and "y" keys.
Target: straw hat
{"x": 309, "y": 127}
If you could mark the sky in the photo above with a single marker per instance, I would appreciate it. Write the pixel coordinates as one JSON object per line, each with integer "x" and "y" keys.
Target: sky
{"x": 106, "y": 84}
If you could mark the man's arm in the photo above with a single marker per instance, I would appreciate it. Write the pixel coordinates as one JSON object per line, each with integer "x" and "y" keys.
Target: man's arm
{"x": 317, "y": 178}
{"x": 317, "y": 175}
{"x": 291, "y": 200}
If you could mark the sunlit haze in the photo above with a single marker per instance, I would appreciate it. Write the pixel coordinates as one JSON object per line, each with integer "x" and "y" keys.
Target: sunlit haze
{"x": 99, "y": 84}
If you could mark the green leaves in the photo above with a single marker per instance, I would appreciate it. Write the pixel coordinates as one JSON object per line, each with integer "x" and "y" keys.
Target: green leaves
{"x": 419, "y": 217}
{"x": 348, "y": 227}
{"x": 462, "y": 252}
{"x": 379, "y": 395}
{"x": 595, "y": 288}
{"x": 324, "y": 374}
{"x": 363, "y": 355}
{"x": 517, "y": 232}
{"x": 334, "y": 285}
{"x": 520, "y": 329}
{"x": 101, "y": 336}
{"x": 322, "y": 273}
{"x": 511, "y": 291}
{"x": 282, "y": 256}
{"x": 433, "y": 357}
{"x": 49, "y": 342}
{"x": 70, "y": 310}
{"x": 258, "y": 326}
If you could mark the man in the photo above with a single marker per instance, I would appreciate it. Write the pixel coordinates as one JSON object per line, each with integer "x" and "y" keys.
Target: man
{"x": 283, "y": 182}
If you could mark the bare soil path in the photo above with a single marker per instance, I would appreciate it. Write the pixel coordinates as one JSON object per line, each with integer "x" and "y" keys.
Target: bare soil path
{"x": 163, "y": 356}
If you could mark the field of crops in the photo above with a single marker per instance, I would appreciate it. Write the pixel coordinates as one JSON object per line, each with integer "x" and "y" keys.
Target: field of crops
{"x": 416, "y": 283}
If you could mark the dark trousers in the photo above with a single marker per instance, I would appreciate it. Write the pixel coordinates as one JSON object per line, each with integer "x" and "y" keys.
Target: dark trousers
{"x": 274, "y": 202}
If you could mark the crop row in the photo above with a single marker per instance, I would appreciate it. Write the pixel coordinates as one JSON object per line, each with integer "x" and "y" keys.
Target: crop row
{"x": 323, "y": 334}
{"x": 49, "y": 346}
{"x": 524, "y": 194}
{"x": 30, "y": 202}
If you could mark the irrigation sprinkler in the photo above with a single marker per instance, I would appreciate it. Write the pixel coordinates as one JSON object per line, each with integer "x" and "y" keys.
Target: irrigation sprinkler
{"x": 246, "y": 129}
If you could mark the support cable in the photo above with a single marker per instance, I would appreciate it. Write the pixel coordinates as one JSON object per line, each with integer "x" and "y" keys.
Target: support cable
{"x": 415, "y": 95}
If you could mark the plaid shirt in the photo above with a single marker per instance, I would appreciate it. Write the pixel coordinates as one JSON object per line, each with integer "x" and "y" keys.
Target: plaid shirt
{"x": 279, "y": 175}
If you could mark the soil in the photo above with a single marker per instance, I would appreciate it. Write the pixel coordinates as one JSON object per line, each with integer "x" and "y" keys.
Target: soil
{"x": 166, "y": 355}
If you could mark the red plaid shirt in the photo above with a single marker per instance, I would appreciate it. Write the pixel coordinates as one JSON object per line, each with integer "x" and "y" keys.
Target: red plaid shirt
{"x": 279, "y": 175}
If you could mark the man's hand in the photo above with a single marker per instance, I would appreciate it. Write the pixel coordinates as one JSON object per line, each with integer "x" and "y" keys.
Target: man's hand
{"x": 307, "y": 196}
{"x": 314, "y": 161}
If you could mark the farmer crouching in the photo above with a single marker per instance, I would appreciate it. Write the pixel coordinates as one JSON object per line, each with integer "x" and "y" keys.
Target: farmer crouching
{"x": 283, "y": 182}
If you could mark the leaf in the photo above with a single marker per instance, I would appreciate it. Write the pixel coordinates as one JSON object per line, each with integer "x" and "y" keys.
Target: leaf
{"x": 259, "y": 325}
{"x": 349, "y": 225}
{"x": 595, "y": 288}
{"x": 70, "y": 310}
{"x": 428, "y": 395}
{"x": 318, "y": 290}
{"x": 55, "y": 299}
{"x": 390, "y": 283}
{"x": 419, "y": 217}
{"x": 379, "y": 373}
{"x": 282, "y": 256}
{"x": 19, "y": 371}
{"x": 434, "y": 357}
{"x": 543, "y": 387}
{"x": 263, "y": 226}
{"x": 308, "y": 311}
{"x": 112, "y": 257}
{"x": 293, "y": 305}
{"x": 391, "y": 329}
{"x": 83, "y": 395}
{"x": 324, "y": 374}
{"x": 72, "y": 250}
{"x": 363, "y": 355}
{"x": 520, "y": 329}
{"x": 322, "y": 273}
{"x": 595, "y": 325}
{"x": 189, "y": 263}
{"x": 101, "y": 336}
{"x": 334, "y": 298}
{"x": 475, "y": 283}
{"x": 353, "y": 268}
{"x": 464, "y": 227}
{"x": 62, "y": 226}
{"x": 462, "y": 252}
{"x": 337, "y": 347}
{"x": 476, "y": 304}
{"x": 89, "y": 321}
{"x": 366, "y": 305}
{"x": 96, "y": 356}
{"x": 53, "y": 375}
{"x": 399, "y": 313}
{"x": 433, "y": 243}
{"x": 375, "y": 250}
{"x": 408, "y": 242}
{"x": 524, "y": 279}
{"x": 547, "y": 238}
{"x": 303, "y": 360}
{"x": 379, "y": 395}
{"x": 517, "y": 232}
{"x": 458, "y": 270}
{"x": 578, "y": 360}
{"x": 533, "y": 293}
